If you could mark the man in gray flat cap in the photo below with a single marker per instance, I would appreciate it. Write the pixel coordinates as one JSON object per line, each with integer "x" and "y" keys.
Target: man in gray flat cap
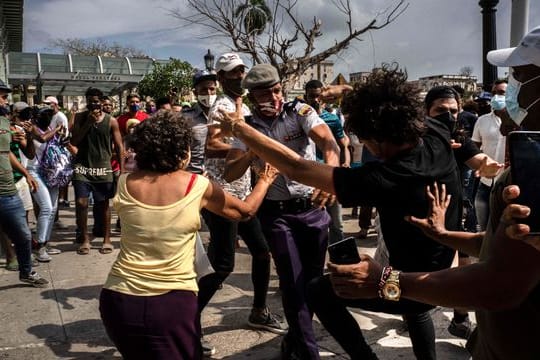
{"x": 295, "y": 228}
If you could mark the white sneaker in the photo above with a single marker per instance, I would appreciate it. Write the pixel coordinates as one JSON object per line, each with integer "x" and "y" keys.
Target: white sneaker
{"x": 208, "y": 349}
{"x": 42, "y": 255}
{"x": 53, "y": 251}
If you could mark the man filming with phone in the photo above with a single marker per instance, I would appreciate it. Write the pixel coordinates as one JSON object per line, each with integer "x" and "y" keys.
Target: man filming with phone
{"x": 504, "y": 286}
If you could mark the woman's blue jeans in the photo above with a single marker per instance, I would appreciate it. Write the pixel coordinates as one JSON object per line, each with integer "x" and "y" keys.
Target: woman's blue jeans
{"x": 13, "y": 223}
{"x": 47, "y": 199}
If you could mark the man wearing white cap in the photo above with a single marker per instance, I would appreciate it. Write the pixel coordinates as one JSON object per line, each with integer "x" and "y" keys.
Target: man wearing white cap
{"x": 58, "y": 118}
{"x": 230, "y": 71}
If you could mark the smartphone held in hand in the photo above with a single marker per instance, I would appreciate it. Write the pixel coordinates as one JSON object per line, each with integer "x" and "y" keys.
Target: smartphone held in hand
{"x": 344, "y": 252}
{"x": 524, "y": 149}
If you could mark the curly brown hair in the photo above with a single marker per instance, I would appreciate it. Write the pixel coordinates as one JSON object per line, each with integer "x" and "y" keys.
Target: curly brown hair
{"x": 161, "y": 142}
{"x": 385, "y": 107}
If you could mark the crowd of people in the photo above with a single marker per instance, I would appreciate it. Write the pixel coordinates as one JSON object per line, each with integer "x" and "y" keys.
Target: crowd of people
{"x": 277, "y": 173}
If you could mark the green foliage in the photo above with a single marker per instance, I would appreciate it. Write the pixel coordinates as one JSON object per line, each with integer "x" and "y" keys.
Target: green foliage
{"x": 256, "y": 14}
{"x": 167, "y": 80}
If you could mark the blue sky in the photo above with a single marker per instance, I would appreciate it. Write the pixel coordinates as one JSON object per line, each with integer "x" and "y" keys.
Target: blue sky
{"x": 432, "y": 36}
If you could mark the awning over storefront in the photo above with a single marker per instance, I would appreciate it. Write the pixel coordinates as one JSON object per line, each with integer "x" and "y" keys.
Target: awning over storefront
{"x": 62, "y": 75}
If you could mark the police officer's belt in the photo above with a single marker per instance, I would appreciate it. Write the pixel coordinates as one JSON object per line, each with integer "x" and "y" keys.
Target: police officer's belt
{"x": 292, "y": 206}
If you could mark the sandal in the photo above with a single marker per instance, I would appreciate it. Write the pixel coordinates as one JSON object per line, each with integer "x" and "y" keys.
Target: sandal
{"x": 84, "y": 249}
{"x": 106, "y": 249}
{"x": 13, "y": 265}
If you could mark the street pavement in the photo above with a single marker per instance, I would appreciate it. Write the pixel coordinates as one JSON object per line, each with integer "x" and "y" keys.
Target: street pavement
{"x": 63, "y": 322}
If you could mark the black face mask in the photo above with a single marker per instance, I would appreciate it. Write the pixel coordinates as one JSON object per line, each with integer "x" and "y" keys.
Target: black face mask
{"x": 234, "y": 86}
{"x": 93, "y": 106}
{"x": 25, "y": 114}
{"x": 43, "y": 119}
{"x": 447, "y": 119}
{"x": 43, "y": 122}
{"x": 4, "y": 110}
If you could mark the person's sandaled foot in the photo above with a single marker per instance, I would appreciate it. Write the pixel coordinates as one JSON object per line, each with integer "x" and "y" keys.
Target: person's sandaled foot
{"x": 12, "y": 265}
{"x": 84, "y": 249}
{"x": 106, "y": 249}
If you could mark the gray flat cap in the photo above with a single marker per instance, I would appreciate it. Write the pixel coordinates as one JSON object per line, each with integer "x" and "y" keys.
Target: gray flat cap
{"x": 260, "y": 77}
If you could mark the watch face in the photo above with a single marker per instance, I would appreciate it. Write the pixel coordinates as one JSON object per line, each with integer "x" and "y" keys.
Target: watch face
{"x": 391, "y": 291}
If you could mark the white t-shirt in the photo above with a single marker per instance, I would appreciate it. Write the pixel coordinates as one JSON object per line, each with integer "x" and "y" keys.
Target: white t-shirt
{"x": 486, "y": 131}
{"x": 60, "y": 119}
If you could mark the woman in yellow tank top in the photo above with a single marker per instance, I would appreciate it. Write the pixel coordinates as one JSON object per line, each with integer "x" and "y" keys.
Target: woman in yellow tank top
{"x": 149, "y": 301}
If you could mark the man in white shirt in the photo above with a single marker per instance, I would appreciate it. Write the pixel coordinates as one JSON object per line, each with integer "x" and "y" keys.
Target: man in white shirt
{"x": 58, "y": 118}
{"x": 489, "y": 139}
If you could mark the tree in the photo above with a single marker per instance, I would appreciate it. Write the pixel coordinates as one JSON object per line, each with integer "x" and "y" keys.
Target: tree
{"x": 167, "y": 80}
{"x": 282, "y": 40}
{"x": 466, "y": 70}
{"x": 98, "y": 47}
{"x": 256, "y": 15}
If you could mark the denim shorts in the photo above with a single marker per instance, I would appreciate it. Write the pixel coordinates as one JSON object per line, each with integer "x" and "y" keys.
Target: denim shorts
{"x": 100, "y": 191}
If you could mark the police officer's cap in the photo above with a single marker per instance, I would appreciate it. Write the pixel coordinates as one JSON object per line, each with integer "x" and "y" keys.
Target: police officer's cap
{"x": 260, "y": 77}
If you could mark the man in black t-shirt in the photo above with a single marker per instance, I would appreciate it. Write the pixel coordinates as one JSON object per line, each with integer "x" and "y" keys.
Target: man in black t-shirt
{"x": 387, "y": 116}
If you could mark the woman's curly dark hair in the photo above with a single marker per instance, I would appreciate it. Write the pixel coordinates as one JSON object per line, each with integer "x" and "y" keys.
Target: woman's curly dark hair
{"x": 385, "y": 107}
{"x": 161, "y": 142}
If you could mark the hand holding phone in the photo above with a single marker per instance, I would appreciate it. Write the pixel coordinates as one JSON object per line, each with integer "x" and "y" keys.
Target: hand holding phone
{"x": 525, "y": 171}
{"x": 344, "y": 252}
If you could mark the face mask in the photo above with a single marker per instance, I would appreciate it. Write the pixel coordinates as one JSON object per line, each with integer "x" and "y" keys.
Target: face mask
{"x": 4, "y": 110}
{"x": 152, "y": 109}
{"x": 207, "y": 100}
{"x": 134, "y": 107}
{"x": 25, "y": 114}
{"x": 515, "y": 111}
{"x": 93, "y": 106}
{"x": 234, "y": 86}
{"x": 43, "y": 121}
{"x": 447, "y": 119}
{"x": 270, "y": 109}
{"x": 498, "y": 102}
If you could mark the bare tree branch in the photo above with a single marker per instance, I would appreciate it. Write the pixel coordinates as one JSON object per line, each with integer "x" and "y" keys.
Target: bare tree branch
{"x": 98, "y": 47}
{"x": 287, "y": 43}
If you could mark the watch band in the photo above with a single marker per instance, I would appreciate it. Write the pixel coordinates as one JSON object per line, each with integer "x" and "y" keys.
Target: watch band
{"x": 387, "y": 270}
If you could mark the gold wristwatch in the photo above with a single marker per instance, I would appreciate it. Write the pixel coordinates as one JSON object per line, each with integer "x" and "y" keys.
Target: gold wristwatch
{"x": 391, "y": 290}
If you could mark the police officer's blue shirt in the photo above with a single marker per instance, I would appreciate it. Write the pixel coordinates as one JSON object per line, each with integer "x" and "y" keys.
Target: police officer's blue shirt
{"x": 291, "y": 128}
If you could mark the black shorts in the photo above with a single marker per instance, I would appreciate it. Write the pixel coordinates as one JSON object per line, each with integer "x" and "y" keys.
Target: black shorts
{"x": 100, "y": 191}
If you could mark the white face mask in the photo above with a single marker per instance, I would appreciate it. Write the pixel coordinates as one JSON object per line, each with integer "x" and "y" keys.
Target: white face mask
{"x": 207, "y": 100}
{"x": 515, "y": 111}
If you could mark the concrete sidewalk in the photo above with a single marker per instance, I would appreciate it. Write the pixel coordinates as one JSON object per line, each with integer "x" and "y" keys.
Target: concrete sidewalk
{"x": 62, "y": 321}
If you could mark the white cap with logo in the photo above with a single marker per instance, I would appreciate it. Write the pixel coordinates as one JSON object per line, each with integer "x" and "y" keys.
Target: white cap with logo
{"x": 526, "y": 53}
{"x": 228, "y": 62}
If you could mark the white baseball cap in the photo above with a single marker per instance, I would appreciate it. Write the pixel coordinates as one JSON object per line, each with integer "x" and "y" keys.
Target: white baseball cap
{"x": 51, "y": 100}
{"x": 228, "y": 61}
{"x": 526, "y": 53}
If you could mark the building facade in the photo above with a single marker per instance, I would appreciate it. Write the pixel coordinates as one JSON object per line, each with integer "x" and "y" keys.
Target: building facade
{"x": 324, "y": 72}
